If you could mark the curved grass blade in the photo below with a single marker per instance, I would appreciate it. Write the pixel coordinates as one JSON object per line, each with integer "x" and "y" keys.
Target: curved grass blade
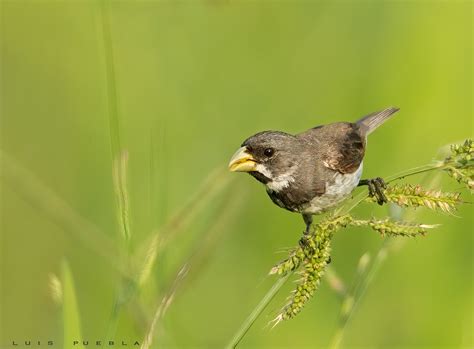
{"x": 43, "y": 198}
{"x": 202, "y": 247}
{"x": 71, "y": 318}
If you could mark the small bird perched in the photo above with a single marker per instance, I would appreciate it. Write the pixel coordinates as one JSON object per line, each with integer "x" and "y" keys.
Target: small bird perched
{"x": 315, "y": 170}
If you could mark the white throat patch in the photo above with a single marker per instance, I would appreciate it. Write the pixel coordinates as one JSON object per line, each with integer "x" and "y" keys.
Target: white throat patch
{"x": 277, "y": 183}
{"x": 280, "y": 182}
{"x": 263, "y": 170}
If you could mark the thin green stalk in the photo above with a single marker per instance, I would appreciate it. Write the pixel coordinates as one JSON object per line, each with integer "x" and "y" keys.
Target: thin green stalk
{"x": 120, "y": 168}
{"x": 249, "y": 321}
{"x": 163, "y": 306}
{"x": 335, "y": 282}
{"x": 216, "y": 181}
{"x": 417, "y": 170}
{"x": 72, "y": 329}
{"x": 158, "y": 179}
{"x": 411, "y": 172}
{"x": 212, "y": 185}
{"x": 125, "y": 285}
{"x": 40, "y": 196}
{"x": 352, "y": 300}
{"x": 111, "y": 84}
{"x": 247, "y": 324}
{"x": 203, "y": 245}
{"x": 363, "y": 280}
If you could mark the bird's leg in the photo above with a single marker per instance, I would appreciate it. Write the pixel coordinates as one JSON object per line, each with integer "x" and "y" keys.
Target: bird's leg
{"x": 308, "y": 219}
{"x": 376, "y": 188}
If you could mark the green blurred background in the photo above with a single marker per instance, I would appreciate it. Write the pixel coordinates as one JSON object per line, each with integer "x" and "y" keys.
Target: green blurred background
{"x": 193, "y": 79}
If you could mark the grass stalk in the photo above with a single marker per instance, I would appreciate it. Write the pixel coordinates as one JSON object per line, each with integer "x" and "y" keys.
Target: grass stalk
{"x": 126, "y": 285}
{"x": 363, "y": 280}
{"x": 253, "y": 316}
{"x": 361, "y": 285}
{"x": 158, "y": 179}
{"x": 212, "y": 185}
{"x": 354, "y": 296}
{"x": 120, "y": 157}
{"x": 46, "y": 201}
{"x": 111, "y": 84}
{"x": 256, "y": 312}
{"x": 163, "y": 306}
{"x": 72, "y": 329}
{"x": 120, "y": 184}
{"x": 335, "y": 282}
{"x": 204, "y": 244}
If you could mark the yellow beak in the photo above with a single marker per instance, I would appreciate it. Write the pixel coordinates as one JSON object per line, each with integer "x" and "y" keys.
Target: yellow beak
{"x": 242, "y": 161}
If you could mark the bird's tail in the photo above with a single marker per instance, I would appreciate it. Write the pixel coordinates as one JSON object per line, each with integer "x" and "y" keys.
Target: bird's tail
{"x": 370, "y": 122}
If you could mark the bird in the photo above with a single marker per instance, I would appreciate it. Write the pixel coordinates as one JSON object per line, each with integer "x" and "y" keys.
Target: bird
{"x": 315, "y": 170}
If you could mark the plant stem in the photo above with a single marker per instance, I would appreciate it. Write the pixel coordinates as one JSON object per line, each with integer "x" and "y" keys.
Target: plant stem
{"x": 111, "y": 84}
{"x": 36, "y": 193}
{"x": 116, "y": 149}
{"x": 360, "y": 286}
{"x": 247, "y": 324}
{"x": 257, "y": 311}
{"x": 417, "y": 170}
{"x": 366, "y": 278}
{"x": 195, "y": 262}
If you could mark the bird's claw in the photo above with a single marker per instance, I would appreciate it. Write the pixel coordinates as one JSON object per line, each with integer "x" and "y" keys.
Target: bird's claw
{"x": 305, "y": 245}
{"x": 303, "y": 242}
{"x": 376, "y": 189}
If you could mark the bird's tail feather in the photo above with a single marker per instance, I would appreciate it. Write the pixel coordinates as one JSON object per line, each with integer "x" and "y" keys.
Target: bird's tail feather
{"x": 370, "y": 122}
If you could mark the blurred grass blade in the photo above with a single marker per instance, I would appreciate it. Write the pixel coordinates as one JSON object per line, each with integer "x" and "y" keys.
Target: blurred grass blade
{"x": 335, "y": 282}
{"x": 119, "y": 156}
{"x": 214, "y": 184}
{"x": 71, "y": 318}
{"x": 158, "y": 172}
{"x": 365, "y": 276}
{"x": 56, "y": 289}
{"x": 41, "y": 197}
{"x": 120, "y": 161}
{"x": 120, "y": 185}
{"x": 206, "y": 242}
{"x": 163, "y": 306}
{"x": 149, "y": 261}
{"x": 210, "y": 187}
{"x": 256, "y": 312}
{"x": 203, "y": 245}
{"x": 111, "y": 84}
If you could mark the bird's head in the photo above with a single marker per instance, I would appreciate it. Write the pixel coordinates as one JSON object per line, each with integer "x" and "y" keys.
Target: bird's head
{"x": 268, "y": 156}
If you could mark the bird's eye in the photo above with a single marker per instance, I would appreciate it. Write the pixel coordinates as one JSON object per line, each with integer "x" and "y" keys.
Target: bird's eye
{"x": 268, "y": 152}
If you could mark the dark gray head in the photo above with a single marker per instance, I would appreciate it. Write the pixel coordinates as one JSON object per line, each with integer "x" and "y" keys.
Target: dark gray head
{"x": 268, "y": 156}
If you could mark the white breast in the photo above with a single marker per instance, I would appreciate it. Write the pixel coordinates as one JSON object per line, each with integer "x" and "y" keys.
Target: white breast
{"x": 336, "y": 192}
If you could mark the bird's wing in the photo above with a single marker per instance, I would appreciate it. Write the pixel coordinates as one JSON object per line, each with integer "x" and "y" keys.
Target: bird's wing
{"x": 340, "y": 146}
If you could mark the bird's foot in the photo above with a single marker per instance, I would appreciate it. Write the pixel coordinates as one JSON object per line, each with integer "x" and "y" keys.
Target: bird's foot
{"x": 304, "y": 242}
{"x": 305, "y": 245}
{"x": 376, "y": 189}
{"x": 308, "y": 249}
